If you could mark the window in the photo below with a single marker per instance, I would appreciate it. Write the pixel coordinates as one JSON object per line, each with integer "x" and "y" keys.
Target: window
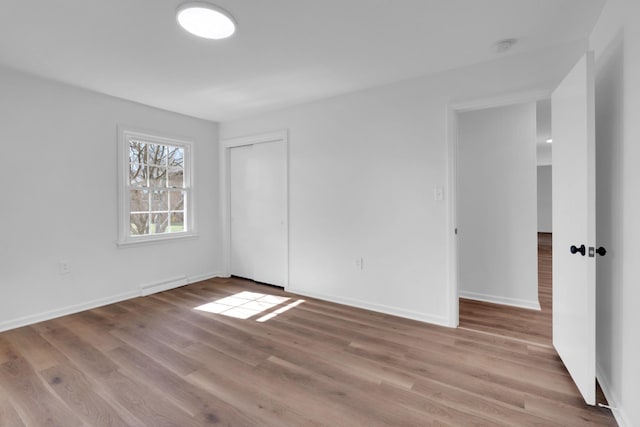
{"x": 155, "y": 200}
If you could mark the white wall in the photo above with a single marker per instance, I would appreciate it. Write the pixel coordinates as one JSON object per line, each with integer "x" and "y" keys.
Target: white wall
{"x": 544, "y": 154}
{"x": 543, "y": 128}
{"x": 362, "y": 172}
{"x": 497, "y": 205}
{"x": 59, "y": 201}
{"x": 616, "y": 42}
{"x": 544, "y": 199}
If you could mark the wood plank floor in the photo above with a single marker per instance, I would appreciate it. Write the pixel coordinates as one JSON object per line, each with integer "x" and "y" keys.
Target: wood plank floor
{"x": 156, "y": 361}
{"x": 528, "y": 325}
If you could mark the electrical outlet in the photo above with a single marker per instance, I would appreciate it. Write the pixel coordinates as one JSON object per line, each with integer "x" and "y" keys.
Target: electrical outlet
{"x": 360, "y": 263}
{"x": 64, "y": 267}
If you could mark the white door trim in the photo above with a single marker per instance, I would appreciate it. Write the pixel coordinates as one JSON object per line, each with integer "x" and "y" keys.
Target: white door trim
{"x": 225, "y": 205}
{"x": 452, "y": 183}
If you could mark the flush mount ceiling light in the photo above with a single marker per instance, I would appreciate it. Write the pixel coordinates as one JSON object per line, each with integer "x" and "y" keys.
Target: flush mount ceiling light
{"x": 549, "y": 141}
{"x": 206, "y": 20}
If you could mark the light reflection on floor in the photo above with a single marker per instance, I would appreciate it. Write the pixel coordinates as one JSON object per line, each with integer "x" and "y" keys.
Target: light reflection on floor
{"x": 244, "y": 305}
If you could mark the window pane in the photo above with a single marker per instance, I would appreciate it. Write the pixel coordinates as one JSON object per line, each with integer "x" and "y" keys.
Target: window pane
{"x": 139, "y": 224}
{"x": 139, "y": 200}
{"x": 177, "y": 222}
{"x": 175, "y": 156}
{"x": 159, "y": 201}
{"x": 176, "y": 167}
{"x": 138, "y": 175}
{"x": 158, "y": 184}
{"x": 176, "y": 177}
{"x": 157, "y": 155}
{"x": 159, "y": 223}
{"x": 176, "y": 200}
{"x": 157, "y": 176}
{"x": 137, "y": 152}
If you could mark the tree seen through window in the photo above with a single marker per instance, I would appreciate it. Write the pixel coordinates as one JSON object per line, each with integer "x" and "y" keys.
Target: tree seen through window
{"x": 157, "y": 190}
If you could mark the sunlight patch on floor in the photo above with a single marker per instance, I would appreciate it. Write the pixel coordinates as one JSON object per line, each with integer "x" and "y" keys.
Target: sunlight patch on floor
{"x": 280, "y": 311}
{"x": 244, "y": 305}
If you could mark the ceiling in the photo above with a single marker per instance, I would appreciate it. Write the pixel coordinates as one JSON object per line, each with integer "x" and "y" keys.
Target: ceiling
{"x": 284, "y": 52}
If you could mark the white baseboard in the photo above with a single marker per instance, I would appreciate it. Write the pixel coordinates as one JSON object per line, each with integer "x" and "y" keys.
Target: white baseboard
{"x": 175, "y": 283}
{"x": 163, "y": 286}
{"x": 514, "y": 302}
{"x": 143, "y": 290}
{"x": 618, "y": 412}
{"x": 41, "y": 317}
{"x": 395, "y": 311}
{"x": 205, "y": 276}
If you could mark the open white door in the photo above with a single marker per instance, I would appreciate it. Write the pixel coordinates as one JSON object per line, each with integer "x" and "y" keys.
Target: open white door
{"x": 574, "y": 225}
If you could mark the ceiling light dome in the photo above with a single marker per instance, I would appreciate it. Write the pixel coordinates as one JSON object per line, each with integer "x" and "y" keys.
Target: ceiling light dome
{"x": 206, "y": 20}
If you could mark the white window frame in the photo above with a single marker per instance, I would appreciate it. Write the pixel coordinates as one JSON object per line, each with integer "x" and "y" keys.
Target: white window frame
{"x": 125, "y": 134}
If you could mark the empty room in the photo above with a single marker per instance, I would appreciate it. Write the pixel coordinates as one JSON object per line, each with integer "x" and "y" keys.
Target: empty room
{"x": 340, "y": 213}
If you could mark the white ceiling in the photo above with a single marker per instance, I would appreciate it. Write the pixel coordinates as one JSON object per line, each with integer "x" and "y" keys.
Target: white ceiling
{"x": 284, "y": 52}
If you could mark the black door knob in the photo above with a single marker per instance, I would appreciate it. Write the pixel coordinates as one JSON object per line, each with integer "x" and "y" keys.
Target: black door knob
{"x": 574, "y": 250}
{"x": 601, "y": 251}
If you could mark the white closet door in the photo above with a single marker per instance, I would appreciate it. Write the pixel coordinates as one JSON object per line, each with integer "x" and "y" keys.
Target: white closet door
{"x": 258, "y": 194}
{"x": 242, "y": 228}
{"x": 270, "y": 212}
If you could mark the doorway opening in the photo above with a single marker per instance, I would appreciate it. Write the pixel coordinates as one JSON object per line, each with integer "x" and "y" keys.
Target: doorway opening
{"x": 531, "y": 326}
{"x": 504, "y": 199}
{"x": 574, "y": 226}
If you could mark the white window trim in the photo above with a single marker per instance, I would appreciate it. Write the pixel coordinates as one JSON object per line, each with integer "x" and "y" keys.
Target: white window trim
{"x": 124, "y": 222}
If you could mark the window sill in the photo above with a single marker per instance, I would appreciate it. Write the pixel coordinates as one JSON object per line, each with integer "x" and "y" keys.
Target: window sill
{"x": 143, "y": 241}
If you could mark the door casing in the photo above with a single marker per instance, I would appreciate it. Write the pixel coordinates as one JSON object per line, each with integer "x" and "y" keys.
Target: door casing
{"x": 452, "y": 184}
